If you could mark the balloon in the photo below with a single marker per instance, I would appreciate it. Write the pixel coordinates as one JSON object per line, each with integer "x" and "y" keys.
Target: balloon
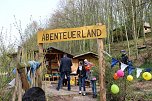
{"x": 129, "y": 77}
{"x": 120, "y": 73}
{"x": 146, "y": 75}
{"x": 114, "y": 89}
{"x": 115, "y": 76}
{"x": 46, "y": 75}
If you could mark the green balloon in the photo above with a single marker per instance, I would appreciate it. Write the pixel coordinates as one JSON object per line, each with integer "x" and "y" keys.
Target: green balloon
{"x": 114, "y": 89}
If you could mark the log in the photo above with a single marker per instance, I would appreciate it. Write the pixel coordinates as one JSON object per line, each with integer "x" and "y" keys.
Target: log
{"x": 102, "y": 69}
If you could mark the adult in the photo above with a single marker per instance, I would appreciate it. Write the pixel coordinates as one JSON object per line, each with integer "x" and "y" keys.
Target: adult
{"x": 65, "y": 70}
{"x": 124, "y": 57}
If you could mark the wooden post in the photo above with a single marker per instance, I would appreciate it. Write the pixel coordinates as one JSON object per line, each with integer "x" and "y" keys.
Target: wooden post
{"x": 19, "y": 54}
{"x": 36, "y": 78}
{"x": 102, "y": 69}
{"x": 15, "y": 90}
{"x": 21, "y": 66}
{"x": 23, "y": 78}
{"x": 19, "y": 89}
{"x": 39, "y": 77}
{"x": 23, "y": 82}
{"x": 18, "y": 86}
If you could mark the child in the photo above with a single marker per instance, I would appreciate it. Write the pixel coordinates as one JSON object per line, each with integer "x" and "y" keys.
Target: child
{"x": 93, "y": 83}
{"x": 88, "y": 65}
{"x": 82, "y": 76}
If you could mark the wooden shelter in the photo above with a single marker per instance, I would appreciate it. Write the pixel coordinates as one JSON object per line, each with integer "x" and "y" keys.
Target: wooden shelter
{"x": 52, "y": 60}
{"x": 147, "y": 27}
{"x": 90, "y": 56}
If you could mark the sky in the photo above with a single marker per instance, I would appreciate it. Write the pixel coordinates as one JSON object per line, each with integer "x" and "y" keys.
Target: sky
{"x": 23, "y": 10}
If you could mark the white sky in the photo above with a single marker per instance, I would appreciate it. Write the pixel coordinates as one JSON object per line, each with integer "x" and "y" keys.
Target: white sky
{"x": 23, "y": 9}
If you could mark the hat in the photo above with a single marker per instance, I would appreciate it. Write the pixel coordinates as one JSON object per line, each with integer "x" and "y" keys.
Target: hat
{"x": 123, "y": 52}
{"x": 85, "y": 60}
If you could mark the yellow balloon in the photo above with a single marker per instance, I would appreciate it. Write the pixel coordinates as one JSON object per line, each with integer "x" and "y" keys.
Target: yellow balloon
{"x": 146, "y": 75}
{"x": 130, "y": 78}
{"x": 46, "y": 75}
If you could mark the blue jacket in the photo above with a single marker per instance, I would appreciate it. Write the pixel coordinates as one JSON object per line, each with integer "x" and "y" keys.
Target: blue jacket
{"x": 65, "y": 64}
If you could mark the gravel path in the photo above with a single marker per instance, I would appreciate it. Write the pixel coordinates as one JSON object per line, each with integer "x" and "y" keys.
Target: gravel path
{"x": 65, "y": 95}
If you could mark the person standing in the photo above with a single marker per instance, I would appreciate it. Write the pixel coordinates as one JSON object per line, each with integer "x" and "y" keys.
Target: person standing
{"x": 88, "y": 65}
{"x": 93, "y": 83}
{"x": 65, "y": 70}
{"x": 82, "y": 76}
{"x": 124, "y": 58}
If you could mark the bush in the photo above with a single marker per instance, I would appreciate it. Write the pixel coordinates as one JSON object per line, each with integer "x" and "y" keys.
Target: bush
{"x": 122, "y": 83}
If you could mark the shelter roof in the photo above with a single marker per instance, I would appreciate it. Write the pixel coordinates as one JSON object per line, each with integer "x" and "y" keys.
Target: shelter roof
{"x": 51, "y": 48}
{"x": 147, "y": 25}
{"x": 87, "y": 53}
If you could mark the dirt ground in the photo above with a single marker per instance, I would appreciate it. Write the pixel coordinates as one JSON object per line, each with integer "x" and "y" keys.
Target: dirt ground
{"x": 65, "y": 95}
{"x": 141, "y": 90}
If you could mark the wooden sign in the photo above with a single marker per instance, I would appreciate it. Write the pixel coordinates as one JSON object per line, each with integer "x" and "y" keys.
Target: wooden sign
{"x": 87, "y": 32}
{"x": 67, "y": 34}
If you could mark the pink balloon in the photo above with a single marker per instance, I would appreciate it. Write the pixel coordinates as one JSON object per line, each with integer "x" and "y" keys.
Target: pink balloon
{"x": 120, "y": 73}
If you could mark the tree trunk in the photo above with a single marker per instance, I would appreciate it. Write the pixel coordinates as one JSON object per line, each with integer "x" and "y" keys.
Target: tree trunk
{"x": 134, "y": 27}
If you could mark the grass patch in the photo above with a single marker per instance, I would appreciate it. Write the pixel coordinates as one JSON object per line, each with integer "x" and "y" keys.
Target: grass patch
{"x": 146, "y": 65}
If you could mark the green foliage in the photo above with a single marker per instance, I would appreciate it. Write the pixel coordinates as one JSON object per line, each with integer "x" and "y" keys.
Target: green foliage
{"x": 95, "y": 72}
{"x": 117, "y": 15}
{"x": 119, "y": 34}
{"x": 146, "y": 65}
{"x": 122, "y": 83}
{"x": 5, "y": 75}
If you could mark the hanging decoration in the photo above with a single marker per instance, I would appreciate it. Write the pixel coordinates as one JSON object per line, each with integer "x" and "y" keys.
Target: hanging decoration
{"x": 129, "y": 77}
{"x": 114, "y": 89}
{"x": 130, "y": 69}
{"x": 12, "y": 83}
{"x": 146, "y": 75}
{"x": 114, "y": 62}
{"x": 115, "y": 76}
{"x": 139, "y": 70}
{"x": 123, "y": 66}
{"x": 120, "y": 73}
{"x": 148, "y": 70}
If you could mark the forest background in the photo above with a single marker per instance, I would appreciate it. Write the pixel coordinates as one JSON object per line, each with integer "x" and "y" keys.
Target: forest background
{"x": 125, "y": 20}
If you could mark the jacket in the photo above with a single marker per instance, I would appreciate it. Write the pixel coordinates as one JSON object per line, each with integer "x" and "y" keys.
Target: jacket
{"x": 91, "y": 75}
{"x": 81, "y": 72}
{"x": 65, "y": 64}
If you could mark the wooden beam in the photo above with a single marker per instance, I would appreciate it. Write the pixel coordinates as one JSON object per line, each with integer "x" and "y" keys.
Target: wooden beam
{"x": 23, "y": 82}
{"x": 19, "y": 86}
{"x": 38, "y": 71}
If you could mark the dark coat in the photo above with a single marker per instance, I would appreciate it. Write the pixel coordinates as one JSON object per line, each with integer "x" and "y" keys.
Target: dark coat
{"x": 124, "y": 59}
{"x": 65, "y": 64}
{"x": 82, "y": 73}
